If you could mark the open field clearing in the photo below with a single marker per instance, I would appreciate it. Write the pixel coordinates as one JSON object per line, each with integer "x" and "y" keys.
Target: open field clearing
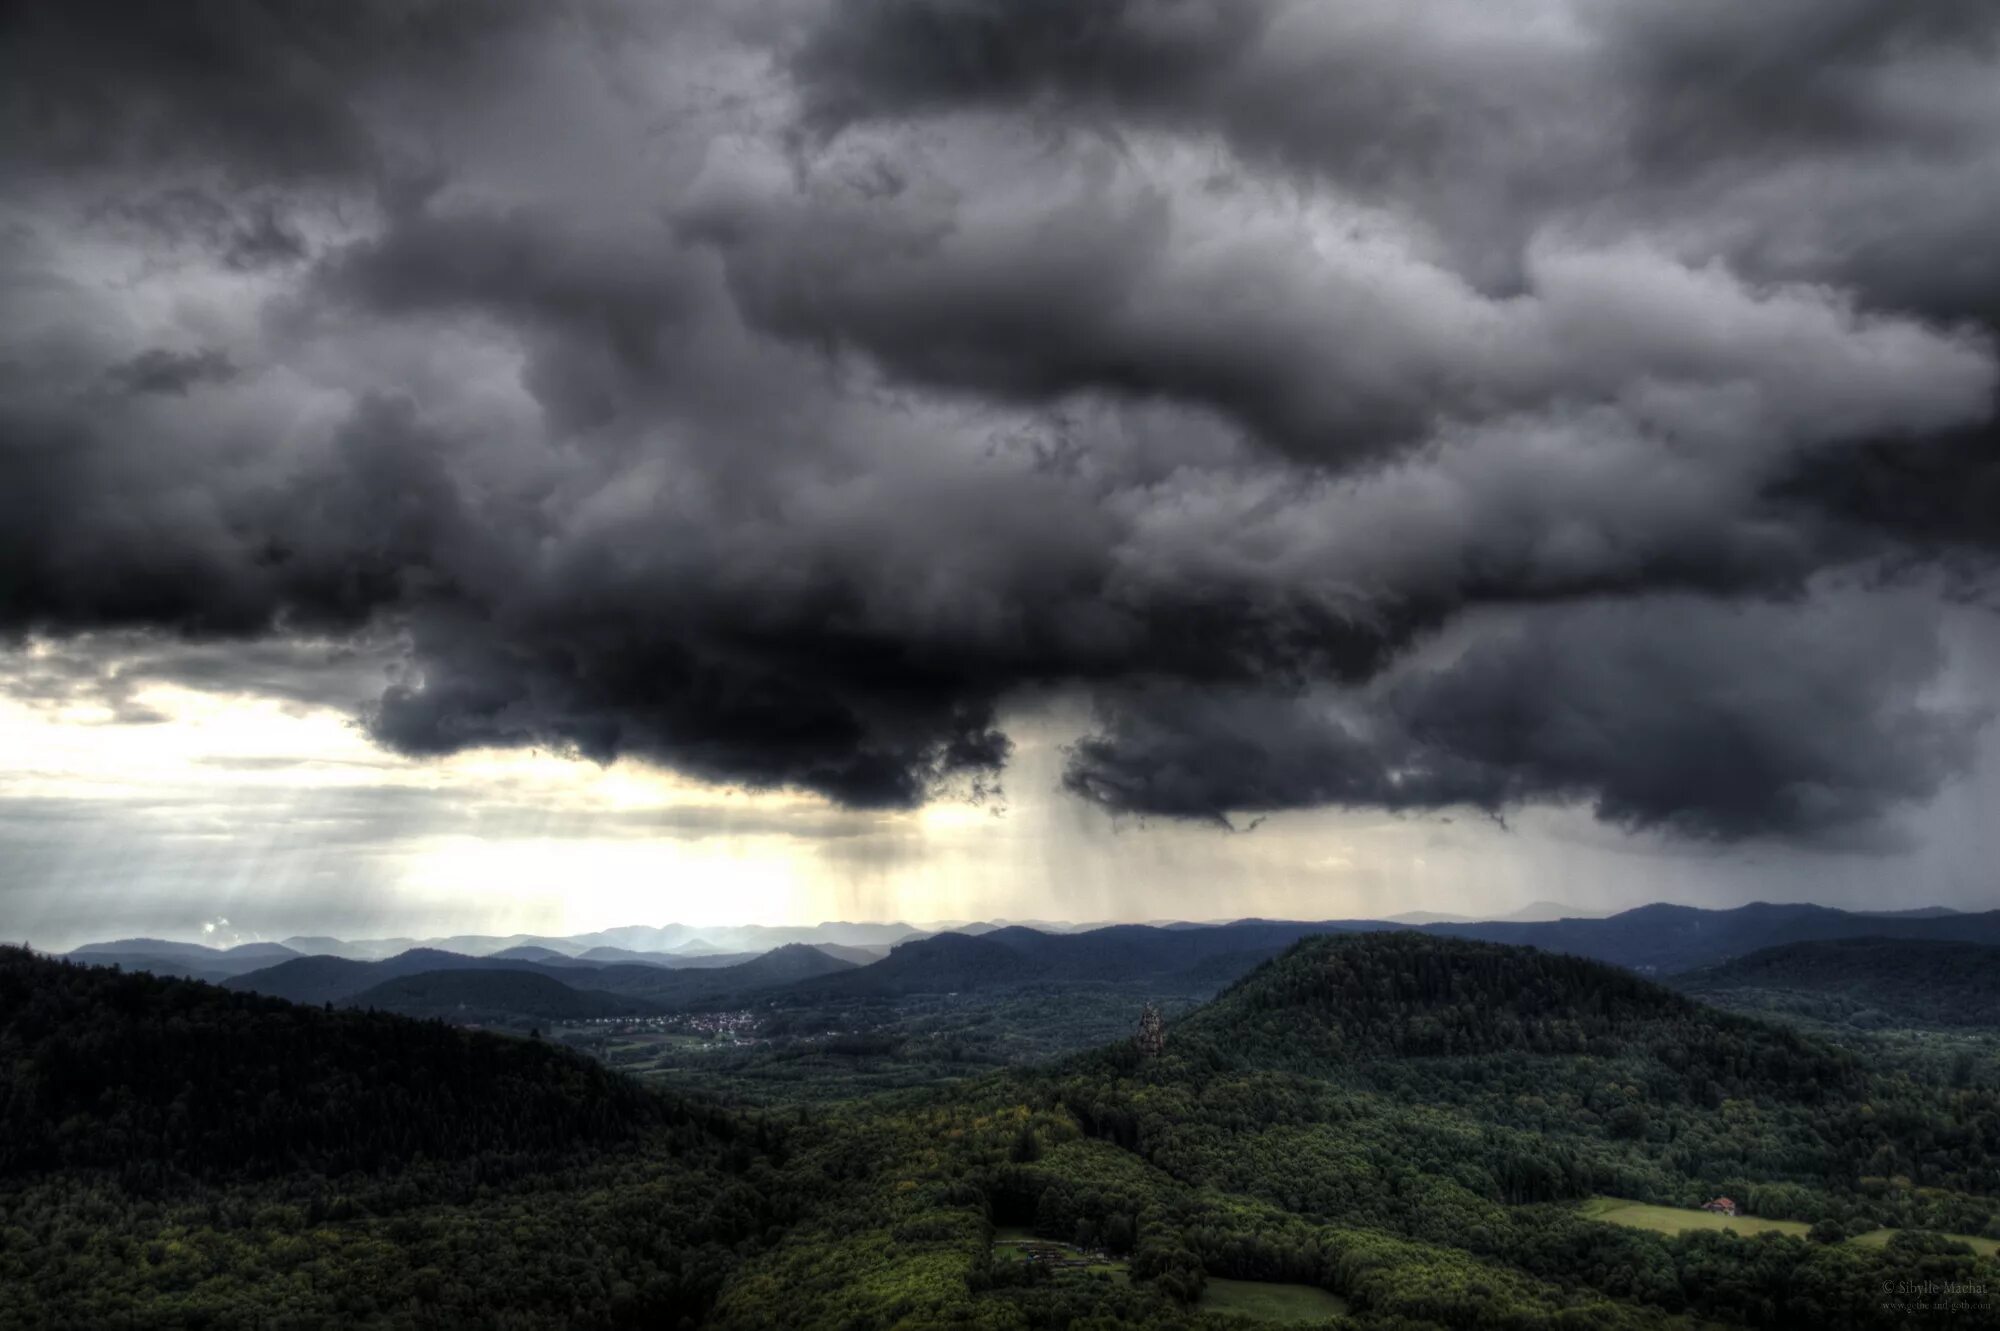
{"x": 1267, "y": 1302}
{"x": 1674, "y": 1219}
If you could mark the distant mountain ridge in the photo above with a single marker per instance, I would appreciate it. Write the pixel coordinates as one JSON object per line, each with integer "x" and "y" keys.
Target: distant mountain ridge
{"x": 1180, "y": 958}
{"x": 190, "y": 961}
{"x": 610, "y": 990}
{"x": 1861, "y": 981}
{"x": 1664, "y": 939}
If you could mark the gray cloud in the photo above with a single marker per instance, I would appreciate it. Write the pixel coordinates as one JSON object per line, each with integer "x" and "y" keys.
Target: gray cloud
{"x": 1083, "y": 274}
{"x": 160, "y": 370}
{"x": 777, "y": 408}
{"x": 1686, "y": 716}
{"x": 109, "y": 669}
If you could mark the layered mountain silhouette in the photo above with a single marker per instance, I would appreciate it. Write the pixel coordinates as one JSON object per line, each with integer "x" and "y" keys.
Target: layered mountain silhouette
{"x": 1194, "y": 960}
{"x": 472, "y": 995}
{"x": 449, "y": 980}
{"x": 192, "y": 961}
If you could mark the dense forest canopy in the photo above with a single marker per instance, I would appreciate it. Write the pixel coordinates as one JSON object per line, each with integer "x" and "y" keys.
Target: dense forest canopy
{"x": 1415, "y": 1125}
{"x": 1862, "y": 981}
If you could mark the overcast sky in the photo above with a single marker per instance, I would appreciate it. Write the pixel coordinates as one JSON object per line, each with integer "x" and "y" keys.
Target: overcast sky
{"x": 546, "y": 466}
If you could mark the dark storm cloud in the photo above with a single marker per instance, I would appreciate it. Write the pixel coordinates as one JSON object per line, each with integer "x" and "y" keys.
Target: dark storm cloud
{"x": 1073, "y": 284}
{"x": 778, "y": 392}
{"x": 1491, "y": 121}
{"x": 1800, "y": 73}
{"x": 249, "y": 234}
{"x": 269, "y": 92}
{"x": 1792, "y": 723}
{"x": 161, "y": 370}
{"x": 869, "y": 57}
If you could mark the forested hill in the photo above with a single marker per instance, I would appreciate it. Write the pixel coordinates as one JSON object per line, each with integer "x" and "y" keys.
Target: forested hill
{"x": 692, "y": 985}
{"x": 336, "y": 979}
{"x": 1178, "y": 959}
{"x": 1862, "y": 981}
{"x": 1405, "y": 995}
{"x": 639, "y": 988}
{"x": 159, "y": 1079}
{"x": 494, "y": 995}
{"x": 946, "y": 963}
{"x": 781, "y": 965}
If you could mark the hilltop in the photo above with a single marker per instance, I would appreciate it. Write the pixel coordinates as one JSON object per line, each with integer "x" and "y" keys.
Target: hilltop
{"x": 787, "y": 964}
{"x": 1344, "y": 1000}
{"x": 1186, "y": 960}
{"x": 1397, "y": 994}
{"x": 947, "y": 963}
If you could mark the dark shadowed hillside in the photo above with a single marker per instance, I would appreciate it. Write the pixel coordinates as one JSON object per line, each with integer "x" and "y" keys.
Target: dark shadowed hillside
{"x": 788, "y": 964}
{"x": 336, "y": 979}
{"x": 489, "y": 995}
{"x": 154, "y": 1078}
{"x": 1177, "y": 959}
{"x": 546, "y": 956}
{"x": 323, "y": 979}
{"x": 1862, "y": 981}
{"x": 1402, "y": 995}
{"x": 781, "y": 965}
{"x": 176, "y": 1154}
{"x": 946, "y": 963}
{"x": 1134, "y": 951}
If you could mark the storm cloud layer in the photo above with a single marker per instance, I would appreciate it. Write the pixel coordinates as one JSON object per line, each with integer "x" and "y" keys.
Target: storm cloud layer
{"x": 1400, "y": 405}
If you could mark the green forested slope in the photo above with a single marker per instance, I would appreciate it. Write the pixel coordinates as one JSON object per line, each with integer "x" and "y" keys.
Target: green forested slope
{"x": 480, "y": 995}
{"x": 1868, "y": 982}
{"x": 1411, "y": 1124}
{"x": 153, "y": 1077}
{"x": 175, "y": 1154}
